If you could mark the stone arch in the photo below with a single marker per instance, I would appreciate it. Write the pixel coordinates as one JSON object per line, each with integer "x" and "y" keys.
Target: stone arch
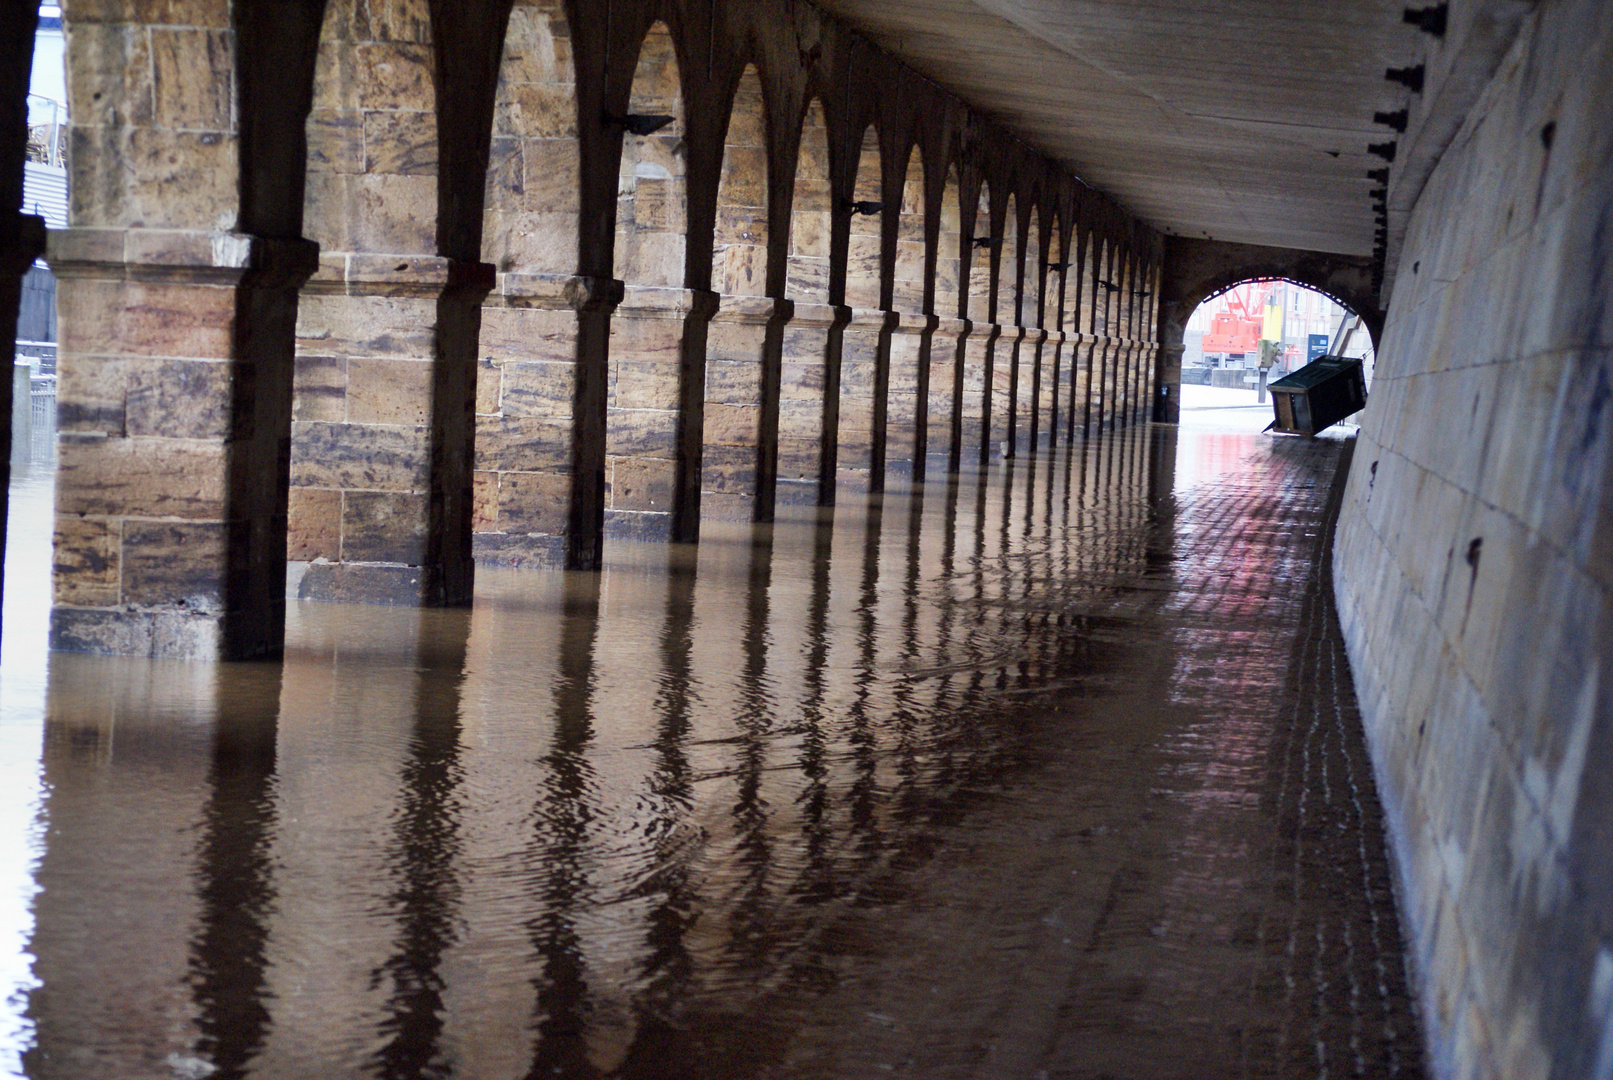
{"x": 908, "y": 271}
{"x": 1002, "y": 362}
{"x": 973, "y": 430}
{"x": 733, "y": 392}
{"x": 1192, "y": 271}
{"x": 1028, "y": 363}
{"x": 526, "y": 377}
{"x": 739, "y": 251}
{"x": 362, "y": 453}
{"x": 803, "y": 380}
{"x": 949, "y": 248}
{"x": 946, "y": 342}
{"x": 1006, "y": 310}
{"x": 1056, "y": 380}
{"x": 651, "y": 194}
{"x": 908, "y": 327}
{"x": 864, "y": 250}
{"x": 1077, "y": 319}
{"x": 1100, "y": 396}
{"x": 860, "y": 340}
{"x": 811, "y": 212}
{"x": 1033, "y": 272}
{"x": 644, "y": 386}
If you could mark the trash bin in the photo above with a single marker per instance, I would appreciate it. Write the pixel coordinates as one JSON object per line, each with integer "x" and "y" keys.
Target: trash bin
{"x": 1318, "y": 395}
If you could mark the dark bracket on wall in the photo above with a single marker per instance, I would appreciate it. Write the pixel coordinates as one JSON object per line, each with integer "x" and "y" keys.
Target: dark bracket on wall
{"x": 1430, "y": 20}
{"x": 1395, "y": 121}
{"x": 1380, "y": 175}
{"x": 1058, "y": 267}
{"x": 1409, "y": 77}
{"x": 1111, "y": 286}
{"x": 870, "y": 208}
{"x": 638, "y": 123}
{"x": 987, "y": 241}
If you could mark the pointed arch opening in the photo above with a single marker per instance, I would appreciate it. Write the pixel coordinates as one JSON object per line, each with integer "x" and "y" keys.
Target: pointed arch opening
{"x": 644, "y": 387}
{"x": 982, "y": 332}
{"x": 651, "y": 195}
{"x": 361, "y": 471}
{"x": 906, "y": 347}
{"x": 860, "y": 341}
{"x": 1028, "y": 393}
{"x": 941, "y": 428}
{"x": 802, "y": 374}
{"x": 731, "y": 413}
{"x": 1001, "y": 418}
{"x": 526, "y": 377}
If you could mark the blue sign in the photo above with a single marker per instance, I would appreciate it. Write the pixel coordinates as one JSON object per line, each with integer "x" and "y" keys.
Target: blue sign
{"x": 1317, "y": 347}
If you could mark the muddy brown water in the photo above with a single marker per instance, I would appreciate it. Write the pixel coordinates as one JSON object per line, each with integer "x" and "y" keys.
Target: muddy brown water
{"x": 1047, "y": 771}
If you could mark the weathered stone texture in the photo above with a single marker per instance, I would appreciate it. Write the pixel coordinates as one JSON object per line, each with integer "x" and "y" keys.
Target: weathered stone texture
{"x": 636, "y": 338}
{"x": 1474, "y": 558}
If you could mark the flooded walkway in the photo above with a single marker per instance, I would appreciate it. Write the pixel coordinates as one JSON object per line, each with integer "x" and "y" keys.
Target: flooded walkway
{"x": 1053, "y": 771}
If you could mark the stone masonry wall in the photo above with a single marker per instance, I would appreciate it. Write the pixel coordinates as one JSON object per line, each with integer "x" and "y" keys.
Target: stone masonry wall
{"x": 1475, "y": 564}
{"x": 376, "y": 285}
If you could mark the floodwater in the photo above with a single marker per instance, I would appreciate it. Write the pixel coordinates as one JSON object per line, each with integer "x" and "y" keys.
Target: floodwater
{"x": 1018, "y": 775}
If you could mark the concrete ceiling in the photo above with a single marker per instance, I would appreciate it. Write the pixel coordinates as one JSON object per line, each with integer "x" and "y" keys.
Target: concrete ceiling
{"x": 1228, "y": 119}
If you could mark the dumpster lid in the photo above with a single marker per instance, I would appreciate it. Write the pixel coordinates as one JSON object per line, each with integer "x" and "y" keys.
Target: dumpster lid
{"x": 1317, "y": 371}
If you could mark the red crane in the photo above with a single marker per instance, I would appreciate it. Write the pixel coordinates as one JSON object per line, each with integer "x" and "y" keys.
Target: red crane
{"x": 1236, "y": 331}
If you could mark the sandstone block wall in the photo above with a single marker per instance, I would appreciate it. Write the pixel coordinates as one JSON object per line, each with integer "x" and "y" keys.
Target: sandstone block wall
{"x": 1475, "y": 561}
{"x": 379, "y": 287}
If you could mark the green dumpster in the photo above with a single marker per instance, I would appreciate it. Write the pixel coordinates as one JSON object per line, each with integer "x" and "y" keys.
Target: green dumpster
{"x": 1318, "y": 395}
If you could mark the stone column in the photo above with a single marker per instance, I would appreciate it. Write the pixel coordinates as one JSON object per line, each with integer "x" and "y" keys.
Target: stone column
{"x": 735, "y": 396}
{"x": 526, "y": 389}
{"x": 381, "y": 458}
{"x": 979, "y": 347}
{"x": 1123, "y": 381}
{"x": 641, "y": 414}
{"x": 865, "y": 335}
{"x": 1041, "y": 389}
{"x": 941, "y": 434}
{"x": 909, "y": 353}
{"x": 170, "y": 511}
{"x": 1098, "y": 400}
{"x": 1005, "y": 426}
{"x": 1080, "y": 420}
{"x": 803, "y": 384}
{"x": 1054, "y": 380}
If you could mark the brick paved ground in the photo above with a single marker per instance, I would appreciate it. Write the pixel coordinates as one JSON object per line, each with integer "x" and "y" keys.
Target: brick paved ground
{"x": 1179, "y": 870}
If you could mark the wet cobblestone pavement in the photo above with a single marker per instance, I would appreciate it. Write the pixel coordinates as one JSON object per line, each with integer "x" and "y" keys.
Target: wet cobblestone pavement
{"x": 1053, "y": 772}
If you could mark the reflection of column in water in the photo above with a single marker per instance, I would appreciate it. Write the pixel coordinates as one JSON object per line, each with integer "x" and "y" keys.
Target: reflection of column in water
{"x": 1005, "y": 574}
{"x": 817, "y": 877}
{"x": 980, "y": 646}
{"x": 908, "y": 782}
{"x": 863, "y": 798}
{"x": 749, "y": 917}
{"x": 234, "y": 873}
{"x": 425, "y": 853}
{"x": 659, "y": 1047}
{"x": 562, "y": 818}
{"x": 128, "y": 770}
{"x": 945, "y": 656}
{"x": 1161, "y": 496}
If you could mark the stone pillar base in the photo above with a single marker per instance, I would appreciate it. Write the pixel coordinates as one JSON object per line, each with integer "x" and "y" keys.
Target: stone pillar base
{"x": 163, "y": 635}
{"x": 364, "y": 583}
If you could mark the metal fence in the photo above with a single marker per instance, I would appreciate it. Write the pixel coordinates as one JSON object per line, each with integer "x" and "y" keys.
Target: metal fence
{"x": 42, "y": 416}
